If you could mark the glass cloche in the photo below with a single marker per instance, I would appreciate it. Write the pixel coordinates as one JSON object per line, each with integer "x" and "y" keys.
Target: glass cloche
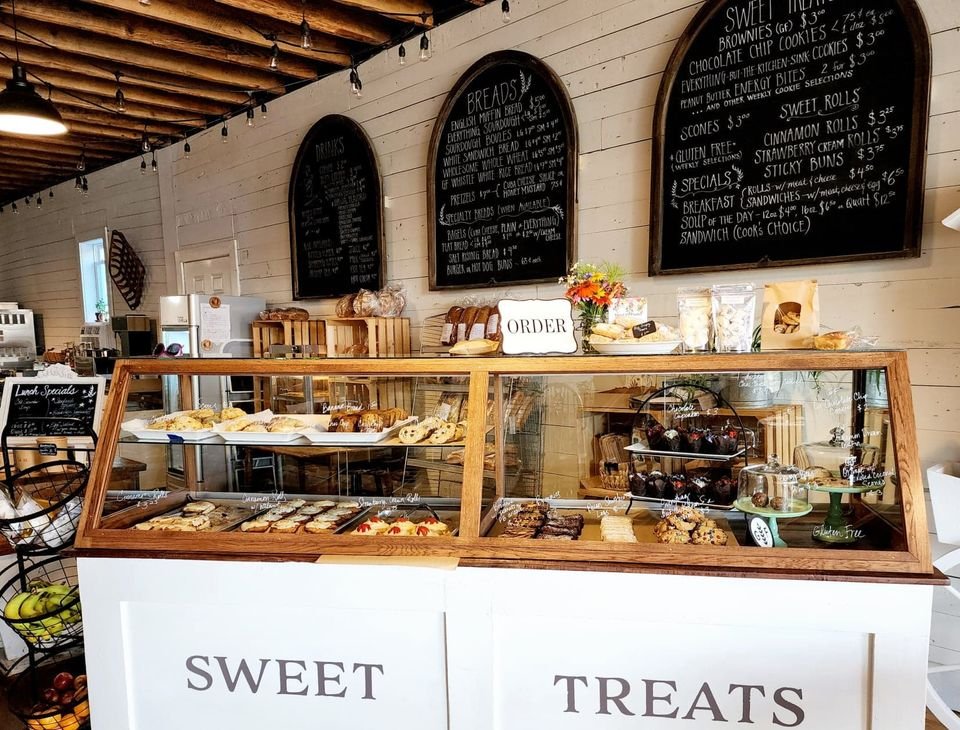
{"x": 837, "y": 455}
{"x": 772, "y": 489}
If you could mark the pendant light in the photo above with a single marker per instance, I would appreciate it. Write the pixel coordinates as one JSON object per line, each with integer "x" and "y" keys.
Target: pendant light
{"x": 22, "y": 109}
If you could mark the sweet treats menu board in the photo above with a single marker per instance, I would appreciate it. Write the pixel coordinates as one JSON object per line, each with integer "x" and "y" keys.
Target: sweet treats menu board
{"x": 336, "y": 212}
{"x": 791, "y": 131}
{"x": 502, "y": 177}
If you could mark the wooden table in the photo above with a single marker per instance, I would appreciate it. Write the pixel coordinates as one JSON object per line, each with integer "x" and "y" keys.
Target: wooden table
{"x": 125, "y": 474}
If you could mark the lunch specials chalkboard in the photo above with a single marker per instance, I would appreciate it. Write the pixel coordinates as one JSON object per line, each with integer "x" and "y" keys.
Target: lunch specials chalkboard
{"x": 791, "y": 132}
{"x": 336, "y": 212}
{"x": 37, "y": 398}
{"x": 502, "y": 177}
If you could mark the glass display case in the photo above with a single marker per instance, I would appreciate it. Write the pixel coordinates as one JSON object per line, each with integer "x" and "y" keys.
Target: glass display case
{"x": 485, "y": 453}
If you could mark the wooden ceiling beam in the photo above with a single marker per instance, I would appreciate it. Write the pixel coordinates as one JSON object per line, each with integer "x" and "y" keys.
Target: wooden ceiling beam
{"x": 11, "y": 164}
{"x": 137, "y": 114}
{"x": 117, "y": 122}
{"x": 331, "y": 19}
{"x": 114, "y": 51}
{"x": 62, "y": 153}
{"x": 159, "y": 36}
{"x": 406, "y": 11}
{"x": 165, "y": 89}
{"x": 101, "y": 130}
{"x": 73, "y": 139}
{"x": 235, "y": 27}
{"x": 134, "y": 111}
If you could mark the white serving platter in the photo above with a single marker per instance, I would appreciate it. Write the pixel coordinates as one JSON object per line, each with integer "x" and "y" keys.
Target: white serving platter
{"x": 637, "y": 348}
{"x": 320, "y": 436}
{"x": 138, "y": 427}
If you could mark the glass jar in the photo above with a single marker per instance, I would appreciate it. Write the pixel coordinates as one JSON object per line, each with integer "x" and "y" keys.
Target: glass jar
{"x": 695, "y": 310}
{"x": 772, "y": 488}
{"x": 734, "y": 312}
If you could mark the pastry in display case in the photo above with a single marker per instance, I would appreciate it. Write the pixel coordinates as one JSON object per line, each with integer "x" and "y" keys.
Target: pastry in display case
{"x": 483, "y": 453}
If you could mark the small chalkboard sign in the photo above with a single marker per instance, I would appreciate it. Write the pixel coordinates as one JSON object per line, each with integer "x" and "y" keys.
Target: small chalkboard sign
{"x": 791, "y": 132}
{"x": 502, "y": 177}
{"x": 336, "y": 212}
{"x": 78, "y": 402}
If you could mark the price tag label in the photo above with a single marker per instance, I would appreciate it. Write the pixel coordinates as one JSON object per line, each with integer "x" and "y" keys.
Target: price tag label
{"x": 48, "y": 449}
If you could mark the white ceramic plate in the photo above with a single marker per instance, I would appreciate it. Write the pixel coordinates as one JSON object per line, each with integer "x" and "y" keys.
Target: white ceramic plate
{"x": 319, "y": 435}
{"x": 637, "y": 348}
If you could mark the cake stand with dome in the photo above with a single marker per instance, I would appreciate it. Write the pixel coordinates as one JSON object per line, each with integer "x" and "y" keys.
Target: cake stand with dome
{"x": 774, "y": 492}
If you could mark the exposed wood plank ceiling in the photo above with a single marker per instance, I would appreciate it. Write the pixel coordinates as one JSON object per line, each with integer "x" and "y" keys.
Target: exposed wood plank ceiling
{"x": 182, "y": 65}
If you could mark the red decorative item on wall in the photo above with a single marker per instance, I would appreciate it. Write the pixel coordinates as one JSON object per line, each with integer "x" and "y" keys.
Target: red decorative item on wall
{"x": 126, "y": 270}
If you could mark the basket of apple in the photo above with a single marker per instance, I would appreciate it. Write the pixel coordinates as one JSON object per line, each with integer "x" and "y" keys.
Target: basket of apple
{"x": 52, "y": 696}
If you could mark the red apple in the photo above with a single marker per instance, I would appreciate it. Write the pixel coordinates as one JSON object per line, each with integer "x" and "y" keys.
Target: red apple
{"x": 67, "y": 698}
{"x": 63, "y": 681}
{"x": 51, "y": 695}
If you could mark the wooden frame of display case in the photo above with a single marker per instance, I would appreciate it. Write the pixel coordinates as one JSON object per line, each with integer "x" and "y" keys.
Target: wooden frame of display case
{"x": 910, "y": 564}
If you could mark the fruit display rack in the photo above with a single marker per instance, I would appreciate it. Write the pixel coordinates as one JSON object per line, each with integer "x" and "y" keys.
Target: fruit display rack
{"x": 40, "y": 598}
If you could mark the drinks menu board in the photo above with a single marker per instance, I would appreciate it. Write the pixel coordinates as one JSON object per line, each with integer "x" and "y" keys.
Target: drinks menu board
{"x": 789, "y": 132}
{"x": 502, "y": 177}
{"x": 336, "y": 212}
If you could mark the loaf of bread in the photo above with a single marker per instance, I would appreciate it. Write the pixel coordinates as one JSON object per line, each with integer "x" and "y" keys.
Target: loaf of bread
{"x": 493, "y": 325}
{"x": 474, "y": 347}
{"x": 466, "y": 323}
{"x": 449, "y": 334}
{"x": 478, "y": 330}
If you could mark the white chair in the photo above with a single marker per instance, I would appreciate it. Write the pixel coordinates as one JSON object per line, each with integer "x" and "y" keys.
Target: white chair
{"x": 944, "y": 481}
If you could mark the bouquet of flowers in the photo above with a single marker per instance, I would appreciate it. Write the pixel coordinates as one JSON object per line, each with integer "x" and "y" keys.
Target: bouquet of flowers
{"x": 592, "y": 288}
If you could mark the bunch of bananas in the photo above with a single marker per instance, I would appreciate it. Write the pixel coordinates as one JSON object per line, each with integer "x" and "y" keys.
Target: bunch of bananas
{"x": 56, "y": 603}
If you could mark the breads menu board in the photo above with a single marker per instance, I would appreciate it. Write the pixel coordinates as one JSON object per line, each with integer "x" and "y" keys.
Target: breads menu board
{"x": 66, "y": 407}
{"x": 336, "y": 212}
{"x": 502, "y": 177}
{"x": 791, "y": 131}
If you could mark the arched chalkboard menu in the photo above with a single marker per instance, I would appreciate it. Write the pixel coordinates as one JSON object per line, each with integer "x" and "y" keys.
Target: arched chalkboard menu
{"x": 502, "y": 177}
{"x": 791, "y": 132}
{"x": 336, "y": 212}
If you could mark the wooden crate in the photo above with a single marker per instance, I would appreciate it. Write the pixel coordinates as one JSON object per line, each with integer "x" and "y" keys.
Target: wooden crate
{"x": 290, "y": 333}
{"x": 368, "y": 337}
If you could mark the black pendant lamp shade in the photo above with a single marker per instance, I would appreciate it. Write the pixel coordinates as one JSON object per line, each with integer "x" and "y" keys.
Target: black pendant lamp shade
{"x": 24, "y": 111}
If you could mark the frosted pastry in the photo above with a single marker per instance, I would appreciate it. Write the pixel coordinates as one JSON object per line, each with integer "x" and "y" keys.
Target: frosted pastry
{"x": 318, "y": 526}
{"x": 199, "y": 508}
{"x": 617, "y": 528}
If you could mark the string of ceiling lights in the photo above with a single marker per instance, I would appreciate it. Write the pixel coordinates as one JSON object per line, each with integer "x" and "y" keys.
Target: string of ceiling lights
{"x": 23, "y": 111}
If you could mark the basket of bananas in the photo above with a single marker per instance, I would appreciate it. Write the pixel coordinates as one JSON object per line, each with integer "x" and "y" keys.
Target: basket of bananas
{"x": 51, "y": 695}
{"x": 42, "y": 604}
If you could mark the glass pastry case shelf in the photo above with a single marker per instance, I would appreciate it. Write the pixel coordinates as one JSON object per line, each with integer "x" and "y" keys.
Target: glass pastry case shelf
{"x": 495, "y": 485}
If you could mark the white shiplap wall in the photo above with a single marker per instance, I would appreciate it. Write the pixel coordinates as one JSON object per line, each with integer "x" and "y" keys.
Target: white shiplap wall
{"x": 39, "y": 261}
{"x": 610, "y": 54}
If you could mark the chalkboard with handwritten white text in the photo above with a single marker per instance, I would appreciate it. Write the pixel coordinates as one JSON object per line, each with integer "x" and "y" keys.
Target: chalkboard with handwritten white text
{"x": 336, "y": 212}
{"x": 791, "y": 132}
{"x": 502, "y": 177}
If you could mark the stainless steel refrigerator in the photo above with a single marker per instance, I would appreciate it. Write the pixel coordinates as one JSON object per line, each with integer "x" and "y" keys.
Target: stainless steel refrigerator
{"x": 205, "y": 326}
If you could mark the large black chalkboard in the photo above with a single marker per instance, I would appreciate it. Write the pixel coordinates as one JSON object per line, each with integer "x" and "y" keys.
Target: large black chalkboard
{"x": 336, "y": 212}
{"x": 791, "y": 132}
{"x": 34, "y": 398}
{"x": 502, "y": 177}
